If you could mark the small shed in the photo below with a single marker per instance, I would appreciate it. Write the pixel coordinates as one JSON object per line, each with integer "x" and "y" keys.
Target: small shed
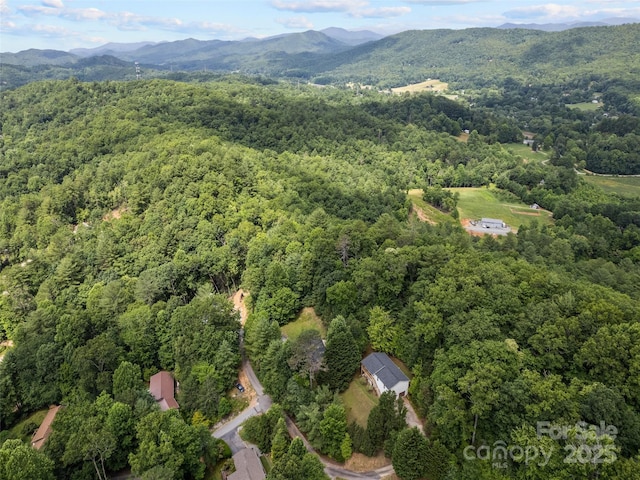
{"x": 248, "y": 466}
{"x": 384, "y": 375}
{"x": 162, "y": 387}
{"x": 43, "y": 432}
{"x": 492, "y": 223}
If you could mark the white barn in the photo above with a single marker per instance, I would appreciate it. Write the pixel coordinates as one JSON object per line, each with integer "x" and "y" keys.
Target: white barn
{"x": 384, "y": 375}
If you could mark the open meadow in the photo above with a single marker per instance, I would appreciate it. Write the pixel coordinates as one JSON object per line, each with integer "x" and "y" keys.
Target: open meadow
{"x": 429, "y": 86}
{"x": 624, "y": 186}
{"x": 476, "y": 203}
{"x": 525, "y": 152}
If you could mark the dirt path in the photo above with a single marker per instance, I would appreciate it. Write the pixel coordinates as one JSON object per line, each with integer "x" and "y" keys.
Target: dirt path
{"x": 243, "y": 375}
{"x": 421, "y": 215}
{"x": 238, "y": 304}
{"x": 412, "y": 417}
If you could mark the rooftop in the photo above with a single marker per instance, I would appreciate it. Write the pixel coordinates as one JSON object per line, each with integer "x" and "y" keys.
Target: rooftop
{"x": 380, "y": 365}
{"x": 248, "y": 466}
{"x": 162, "y": 387}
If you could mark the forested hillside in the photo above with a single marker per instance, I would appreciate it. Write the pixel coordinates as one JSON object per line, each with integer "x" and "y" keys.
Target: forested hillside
{"x": 130, "y": 211}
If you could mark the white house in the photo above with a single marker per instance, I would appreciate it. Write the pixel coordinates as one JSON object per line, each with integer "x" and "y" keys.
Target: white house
{"x": 384, "y": 375}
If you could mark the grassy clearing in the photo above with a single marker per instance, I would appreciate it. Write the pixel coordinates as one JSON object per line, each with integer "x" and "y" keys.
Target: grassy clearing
{"x": 361, "y": 463}
{"x": 525, "y": 152}
{"x": 428, "y": 86}
{"x": 35, "y": 418}
{"x": 476, "y": 203}
{"x": 463, "y": 137}
{"x": 358, "y": 401}
{"x": 585, "y": 106}
{"x": 625, "y": 186}
{"x": 307, "y": 320}
{"x": 430, "y": 213}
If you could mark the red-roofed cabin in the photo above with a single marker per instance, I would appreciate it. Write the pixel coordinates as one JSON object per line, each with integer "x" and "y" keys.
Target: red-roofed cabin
{"x": 43, "y": 432}
{"x": 162, "y": 387}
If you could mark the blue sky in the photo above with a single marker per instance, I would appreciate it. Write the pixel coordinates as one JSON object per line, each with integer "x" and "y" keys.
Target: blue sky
{"x": 66, "y": 24}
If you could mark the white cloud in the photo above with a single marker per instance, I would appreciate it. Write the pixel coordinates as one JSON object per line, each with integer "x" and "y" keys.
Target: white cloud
{"x": 545, "y": 11}
{"x": 83, "y": 14}
{"x": 382, "y": 12}
{"x": 4, "y": 7}
{"x": 53, "y": 3}
{"x": 553, "y": 12}
{"x": 353, "y": 8}
{"x": 295, "y": 22}
{"x": 317, "y": 6}
{"x": 444, "y": 2}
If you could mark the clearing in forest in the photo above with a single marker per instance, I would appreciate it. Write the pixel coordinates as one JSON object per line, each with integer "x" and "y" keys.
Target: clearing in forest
{"x": 525, "y": 152}
{"x": 358, "y": 401}
{"x": 483, "y": 202}
{"x": 307, "y": 320}
{"x": 623, "y": 186}
{"x": 428, "y": 86}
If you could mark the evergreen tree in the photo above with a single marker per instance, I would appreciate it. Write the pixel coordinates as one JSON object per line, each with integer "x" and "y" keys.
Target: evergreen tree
{"x": 333, "y": 428}
{"x": 280, "y": 442}
{"x": 410, "y": 454}
{"x": 386, "y": 417}
{"x": 342, "y": 355}
{"x": 439, "y": 461}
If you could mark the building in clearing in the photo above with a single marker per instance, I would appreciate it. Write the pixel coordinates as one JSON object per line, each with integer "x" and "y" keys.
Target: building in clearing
{"x": 492, "y": 223}
{"x": 384, "y": 375}
{"x": 248, "y": 466}
{"x": 162, "y": 387}
{"x": 43, "y": 432}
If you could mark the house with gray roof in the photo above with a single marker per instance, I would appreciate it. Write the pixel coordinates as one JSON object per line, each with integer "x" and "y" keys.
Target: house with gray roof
{"x": 492, "y": 223}
{"x": 384, "y": 375}
{"x": 248, "y": 466}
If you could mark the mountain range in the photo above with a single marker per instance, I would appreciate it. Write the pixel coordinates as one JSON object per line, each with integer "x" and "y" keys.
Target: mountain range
{"x": 476, "y": 55}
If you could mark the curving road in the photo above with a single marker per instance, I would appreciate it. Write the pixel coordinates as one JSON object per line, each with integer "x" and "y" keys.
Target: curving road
{"x": 229, "y": 431}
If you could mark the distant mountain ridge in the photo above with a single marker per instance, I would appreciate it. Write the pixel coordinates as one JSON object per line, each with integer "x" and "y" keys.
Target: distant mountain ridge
{"x": 559, "y": 27}
{"x": 109, "y": 49}
{"x": 476, "y": 56}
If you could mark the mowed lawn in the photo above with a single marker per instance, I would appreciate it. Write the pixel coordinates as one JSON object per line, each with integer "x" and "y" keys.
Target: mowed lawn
{"x": 307, "y": 320}
{"x": 427, "y": 86}
{"x": 526, "y": 153}
{"x": 358, "y": 401}
{"x": 625, "y": 186}
{"x": 585, "y": 106}
{"x": 482, "y": 202}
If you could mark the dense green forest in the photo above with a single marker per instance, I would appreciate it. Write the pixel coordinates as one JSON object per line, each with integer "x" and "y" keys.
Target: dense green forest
{"x": 131, "y": 210}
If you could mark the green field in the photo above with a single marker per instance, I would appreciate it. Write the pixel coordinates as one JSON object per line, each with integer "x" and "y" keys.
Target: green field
{"x": 358, "y": 401}
{"x": 585, "y": 106}
{"x": 526, "y": 153}
{"x": 35, "y": 419}
{"x": 476, "y": 203}
{"x": 625, "y": 186}
{"x": 307, "y": 320}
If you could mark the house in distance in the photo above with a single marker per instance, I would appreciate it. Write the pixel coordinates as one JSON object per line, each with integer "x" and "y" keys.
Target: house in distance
{"x": 492, "y": 223}
{"x": 384, "y": 375}
{"x": 162, "y": 387}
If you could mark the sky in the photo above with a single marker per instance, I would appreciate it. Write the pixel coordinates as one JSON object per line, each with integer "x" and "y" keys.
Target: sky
{"x": 68, "y": 24}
